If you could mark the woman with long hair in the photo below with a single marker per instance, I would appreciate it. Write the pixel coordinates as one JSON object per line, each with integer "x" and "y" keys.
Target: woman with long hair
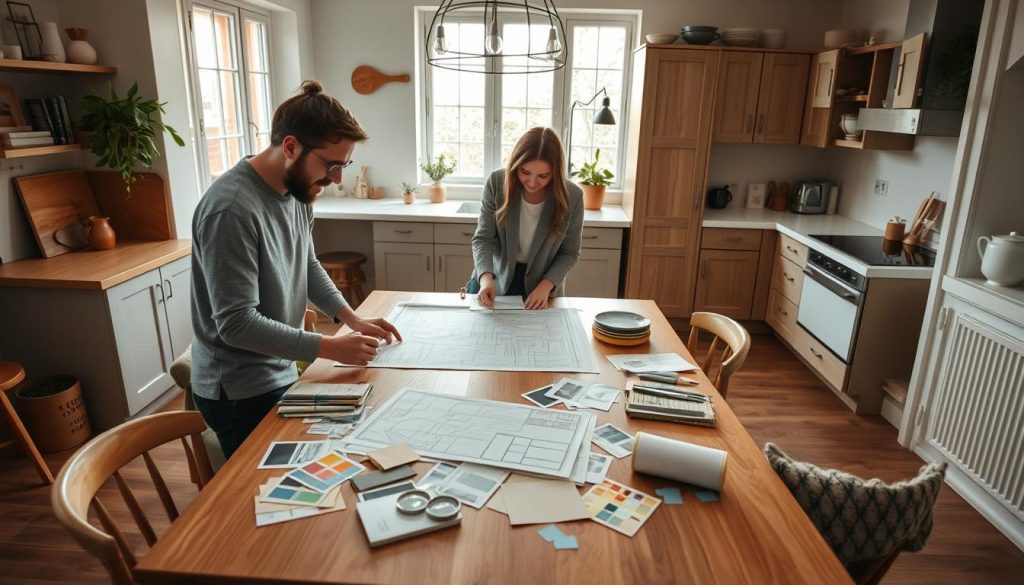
{"x": 531, "y": 224}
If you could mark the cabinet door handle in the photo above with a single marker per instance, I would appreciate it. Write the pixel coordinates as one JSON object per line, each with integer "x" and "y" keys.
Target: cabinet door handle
{"x": 732, "y": 239}
{"x": 428, "y": 263}
{"x": 467, "y": 233}
{"x": 783, "y": 312}
{"x": 589, "y": 237}
{"x": 696, "y": 199}
{"x": 403, "y": 231}
{"x": 440, "y": 263}
{"x": 831, "y": 72}
{"x": 791, "y": 249}
{"x": 787, "y": 276}
{"x": 704, "y": 269}
{"x": 760, "y": 124}
{"x": 161, "y": 299}
{"x": 750, "y": 123}
{"x": 899, "y": 73}
{"x": 170, "y": 289}
{"x": 816, "y": 354}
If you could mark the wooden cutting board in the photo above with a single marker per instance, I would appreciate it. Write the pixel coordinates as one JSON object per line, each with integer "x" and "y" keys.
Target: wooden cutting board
{"x": 56, "y": 202}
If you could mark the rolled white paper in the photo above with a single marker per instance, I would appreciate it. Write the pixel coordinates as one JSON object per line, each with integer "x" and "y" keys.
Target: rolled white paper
{"x": 685, "y": 462}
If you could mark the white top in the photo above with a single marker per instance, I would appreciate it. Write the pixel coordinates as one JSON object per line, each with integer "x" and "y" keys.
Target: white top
{"x": 529, "y": 217}
{"x": 392, "y": 209}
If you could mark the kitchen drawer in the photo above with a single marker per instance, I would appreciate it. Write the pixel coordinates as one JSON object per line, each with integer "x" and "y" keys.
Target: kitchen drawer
{"x": 403, "y": 231}
{"x": 781, "y": 314}
{"x": 792, "y": 250}
{"x": 605, "y": 238}
{"x": 730, "y": 239}
{"x": 821, "y": 360}
{"x": 788, "y": 278}
{"x": 454, "y": 233}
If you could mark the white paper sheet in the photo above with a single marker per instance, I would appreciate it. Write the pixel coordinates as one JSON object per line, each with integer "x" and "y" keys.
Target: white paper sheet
{"x": 502, "y": 303}
{"x": 453, "y": 338}
{"x": 473, "y": 484}
{"x": 597, "y": 467}
{"x": 643, "y": 363}
{"x": 487, "y": 432}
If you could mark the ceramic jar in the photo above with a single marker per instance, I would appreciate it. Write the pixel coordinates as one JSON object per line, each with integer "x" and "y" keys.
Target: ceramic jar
{"x": 81, "y": 52}
{"x": 848, "y": 124}
{"x": 1002, "y": 259}
{"x": 52, "y": 49}
{"x": 437, "y": 193}
{"x": 101, "y": 234}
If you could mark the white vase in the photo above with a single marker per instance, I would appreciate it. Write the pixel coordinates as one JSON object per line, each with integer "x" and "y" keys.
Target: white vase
{"x": 81, "y": 52}
{"x": 52, "y": 48}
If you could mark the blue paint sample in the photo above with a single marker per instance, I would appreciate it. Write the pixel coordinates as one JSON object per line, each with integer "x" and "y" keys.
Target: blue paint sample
{"x": 566, "y": 541}
{"x": 670, "y": 495}
{"x": 550, "y": 533}
{"x": 707, "y": 496}
{"x": 281, "y": 493}
{"x": 604, "y": 515}
{"x": 610, "y": 507}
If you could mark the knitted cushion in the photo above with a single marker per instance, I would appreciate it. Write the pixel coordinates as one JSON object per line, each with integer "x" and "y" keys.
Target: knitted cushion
{"x": 181, "y": 372}
{"x": 862, "y": 520}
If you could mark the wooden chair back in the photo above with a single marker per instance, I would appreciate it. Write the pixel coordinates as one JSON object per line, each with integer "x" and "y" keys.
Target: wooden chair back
{"x": 100, "y": 459}
{"x": 736, "y": 342}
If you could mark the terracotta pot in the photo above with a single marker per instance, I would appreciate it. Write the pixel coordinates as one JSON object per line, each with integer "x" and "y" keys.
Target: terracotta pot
{"x": 409, "y": 197}
{"x": 53, "y": 412}
{"x": 101, "y": 235}
{"x": 437, "y": 193}
{"x": 593, "y": 196}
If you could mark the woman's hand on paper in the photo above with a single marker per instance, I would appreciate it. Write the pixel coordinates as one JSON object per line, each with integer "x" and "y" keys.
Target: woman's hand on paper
{"x": 353, "y": 348}
{"x": 488, "y": 289}
{"x": 378, "y": 328}
{"x": 538, "y": 299}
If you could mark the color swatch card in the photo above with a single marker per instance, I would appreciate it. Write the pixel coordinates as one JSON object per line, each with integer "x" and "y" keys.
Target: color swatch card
{"x": 288, "y": 491}
{"x": 619, "y": 507}
{"x": 326, "y": 472}
{"x": 267, "y": 514}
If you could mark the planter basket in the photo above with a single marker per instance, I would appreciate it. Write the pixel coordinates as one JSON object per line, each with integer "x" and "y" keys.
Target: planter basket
{"x": 53, "y": 412}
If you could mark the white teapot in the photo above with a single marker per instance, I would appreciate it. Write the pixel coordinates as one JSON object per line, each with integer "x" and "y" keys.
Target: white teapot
{"x": 1002, "y": 260}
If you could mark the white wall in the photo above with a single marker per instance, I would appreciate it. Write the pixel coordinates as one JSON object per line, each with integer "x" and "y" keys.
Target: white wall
{"x": 885, "y": 19}
{"x": 759, "y": 163}
{"x": 349, "y": 33}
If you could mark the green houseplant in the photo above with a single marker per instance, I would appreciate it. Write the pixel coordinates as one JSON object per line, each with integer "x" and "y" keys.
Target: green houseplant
{"x": 593, "y": 181}
{"x": 123, "y": 132}
{"x": 437, "y": 171}
{"x": 408, "y": 193}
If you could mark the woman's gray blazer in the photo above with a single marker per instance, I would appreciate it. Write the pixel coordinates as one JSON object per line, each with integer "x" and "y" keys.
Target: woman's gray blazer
{"x": 551, "y": 255}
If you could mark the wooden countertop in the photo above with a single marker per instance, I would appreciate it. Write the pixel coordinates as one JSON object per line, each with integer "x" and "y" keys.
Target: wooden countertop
{"x": 755, "y": 533}
{"x": 92, "y": 270}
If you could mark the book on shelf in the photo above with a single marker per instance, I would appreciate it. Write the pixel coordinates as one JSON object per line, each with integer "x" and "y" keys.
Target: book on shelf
{"x": 9, "y": 143}
{"x": 38, "y": 115}
{"x": 50, "y": 114}
{"x": 10, "y": 129}
{"x": 69, "y": 129}
{"x": 26, "y": 134}
{"x": 57, "y": 120}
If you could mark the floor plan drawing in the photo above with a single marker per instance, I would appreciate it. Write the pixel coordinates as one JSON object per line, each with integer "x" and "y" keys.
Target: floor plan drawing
{"x": 487, "y": 432}
{"x": 455, "y": 338}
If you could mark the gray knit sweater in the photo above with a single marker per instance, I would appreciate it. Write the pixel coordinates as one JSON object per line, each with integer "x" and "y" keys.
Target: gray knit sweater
{"x": 253, "y": 269}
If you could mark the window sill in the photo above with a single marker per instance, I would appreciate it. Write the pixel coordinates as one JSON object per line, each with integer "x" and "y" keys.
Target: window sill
{"x": 469, "y": 192}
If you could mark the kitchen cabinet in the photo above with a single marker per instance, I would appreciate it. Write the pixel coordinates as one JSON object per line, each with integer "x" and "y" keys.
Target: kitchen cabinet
{"x": 734, "y": 272}
{"x": 843, "y": 81}
{"x": 416, "y": 256}
{"x": 116, "y": 319}
{"x": 673, "y": 91}
{"x": 760, "y": 97}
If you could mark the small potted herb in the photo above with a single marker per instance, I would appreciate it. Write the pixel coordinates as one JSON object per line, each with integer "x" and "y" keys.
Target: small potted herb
{"x": 123, "y": 133}
{"x": 593, "y": 181}
{"x": 408, "y": 193}
{"x": 437, "y": 171}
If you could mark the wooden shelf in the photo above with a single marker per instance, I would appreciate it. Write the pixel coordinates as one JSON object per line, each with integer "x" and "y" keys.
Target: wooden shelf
{"x": 40, "y": 150}
{"x": 27, "y": 66}
{"x": 873, "y": 48}
{"x": 852, "y": 98}
{"x": 858, "y": 144}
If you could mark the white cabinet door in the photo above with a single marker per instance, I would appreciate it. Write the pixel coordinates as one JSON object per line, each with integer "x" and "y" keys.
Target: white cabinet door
{"x": 596, "y": 275}
{"x": 404, "y": 267}
{"x": 453, "y": 266}
{"x": 176, "y": 279}
{"x": 139, "y": 322}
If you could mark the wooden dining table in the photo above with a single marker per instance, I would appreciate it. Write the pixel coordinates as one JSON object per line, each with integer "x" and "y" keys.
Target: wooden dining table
{"x": 754, "y": 533}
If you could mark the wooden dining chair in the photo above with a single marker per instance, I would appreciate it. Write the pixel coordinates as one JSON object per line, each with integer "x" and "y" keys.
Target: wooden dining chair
{"x": 736, "y": 345}
{"x": 100, "y": 459}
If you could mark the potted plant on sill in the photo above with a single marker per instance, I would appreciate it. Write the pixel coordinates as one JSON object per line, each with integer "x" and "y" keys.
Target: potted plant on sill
{"x": 408, "y": 193}
{"x": 437, "y": 171}
{"x": 593, "y": 181}
{"x": 123, "y": 132}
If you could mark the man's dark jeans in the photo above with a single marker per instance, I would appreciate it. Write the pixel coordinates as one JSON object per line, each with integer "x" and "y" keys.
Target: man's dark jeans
{"x": 234, "y": 420}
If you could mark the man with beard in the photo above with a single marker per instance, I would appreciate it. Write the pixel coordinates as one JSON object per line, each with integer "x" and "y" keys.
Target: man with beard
{"x": 254, "y": 268}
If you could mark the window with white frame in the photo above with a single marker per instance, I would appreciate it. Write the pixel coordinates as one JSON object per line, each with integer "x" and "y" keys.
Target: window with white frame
{"x": 476, "y": 118}
{"x": 230, "y": 63}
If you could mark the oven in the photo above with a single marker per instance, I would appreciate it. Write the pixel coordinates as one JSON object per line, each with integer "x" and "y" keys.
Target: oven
{"x": 830, "y": 303}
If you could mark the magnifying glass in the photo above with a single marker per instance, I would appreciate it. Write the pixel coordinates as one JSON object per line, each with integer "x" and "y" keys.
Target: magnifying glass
{"x": 418, "y": 501}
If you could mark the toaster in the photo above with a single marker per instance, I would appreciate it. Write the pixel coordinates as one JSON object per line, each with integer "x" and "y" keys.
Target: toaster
{"x": 810, "y": 196}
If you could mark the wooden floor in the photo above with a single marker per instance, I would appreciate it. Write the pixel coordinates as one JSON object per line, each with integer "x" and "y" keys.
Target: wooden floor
{"x": 774, "y": 395}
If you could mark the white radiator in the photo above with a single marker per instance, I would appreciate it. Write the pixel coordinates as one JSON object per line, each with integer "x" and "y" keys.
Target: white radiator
{"x": 978, "y": 422}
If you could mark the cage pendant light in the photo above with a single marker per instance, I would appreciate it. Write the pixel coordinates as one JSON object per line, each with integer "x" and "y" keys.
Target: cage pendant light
{"x": 488, "y": 52}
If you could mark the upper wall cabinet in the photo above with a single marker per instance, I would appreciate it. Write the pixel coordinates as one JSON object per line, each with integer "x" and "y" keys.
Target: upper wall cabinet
{"x": 760, "y": 97}
{"x": 842, "y": 81}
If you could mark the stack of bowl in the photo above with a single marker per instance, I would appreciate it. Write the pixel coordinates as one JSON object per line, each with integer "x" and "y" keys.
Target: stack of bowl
{"x": 740, "y": 36}
{"x": 699, "y": 35}
{"x": 622, "y": 328}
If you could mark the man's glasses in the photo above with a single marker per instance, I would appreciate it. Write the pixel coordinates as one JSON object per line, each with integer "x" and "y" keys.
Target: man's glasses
{"x": 331, "y": 167}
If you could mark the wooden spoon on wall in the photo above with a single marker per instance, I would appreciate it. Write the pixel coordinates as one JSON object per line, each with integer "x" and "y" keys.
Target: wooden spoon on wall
{"x": 366, "y": 79}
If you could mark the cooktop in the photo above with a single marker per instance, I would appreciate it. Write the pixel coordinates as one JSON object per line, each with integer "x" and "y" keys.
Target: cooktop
{"x": 877, "y": 251}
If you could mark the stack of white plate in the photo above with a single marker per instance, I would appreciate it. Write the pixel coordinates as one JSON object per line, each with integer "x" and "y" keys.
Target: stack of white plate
{"x": 740, "y": 36}
{"x": 622, "y": 328}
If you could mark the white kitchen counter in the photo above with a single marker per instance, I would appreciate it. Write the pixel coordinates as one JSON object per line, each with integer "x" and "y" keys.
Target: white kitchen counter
{"x": 392, "y": 209}
{"x": 800, "y": 227}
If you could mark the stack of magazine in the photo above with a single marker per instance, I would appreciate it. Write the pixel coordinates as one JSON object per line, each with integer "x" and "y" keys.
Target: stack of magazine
{"x": 315, "y": 398}
{"x": 666, "y": 402}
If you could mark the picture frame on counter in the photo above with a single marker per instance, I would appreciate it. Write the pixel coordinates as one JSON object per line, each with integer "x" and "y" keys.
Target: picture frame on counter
{"x": 756, "y": 195}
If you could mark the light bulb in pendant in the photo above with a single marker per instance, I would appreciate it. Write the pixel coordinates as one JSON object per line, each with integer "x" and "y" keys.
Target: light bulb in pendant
{"x": 493, "y": 42}
{"x": 554, "y": 45}
{"x": 440, "y": 45}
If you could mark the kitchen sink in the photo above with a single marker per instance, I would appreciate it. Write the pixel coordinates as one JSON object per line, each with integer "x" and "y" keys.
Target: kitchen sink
{"x": 469, "y": 207}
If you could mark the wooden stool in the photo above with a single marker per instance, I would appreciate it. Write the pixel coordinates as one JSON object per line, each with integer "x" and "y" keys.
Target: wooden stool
{"x": 10, "y": 375}
{"x": 345, "y": 271}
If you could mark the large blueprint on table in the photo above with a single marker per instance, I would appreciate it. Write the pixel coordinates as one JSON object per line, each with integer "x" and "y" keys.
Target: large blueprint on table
{"x": 455, "y": 338}
{"x": 488, "y": 432}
